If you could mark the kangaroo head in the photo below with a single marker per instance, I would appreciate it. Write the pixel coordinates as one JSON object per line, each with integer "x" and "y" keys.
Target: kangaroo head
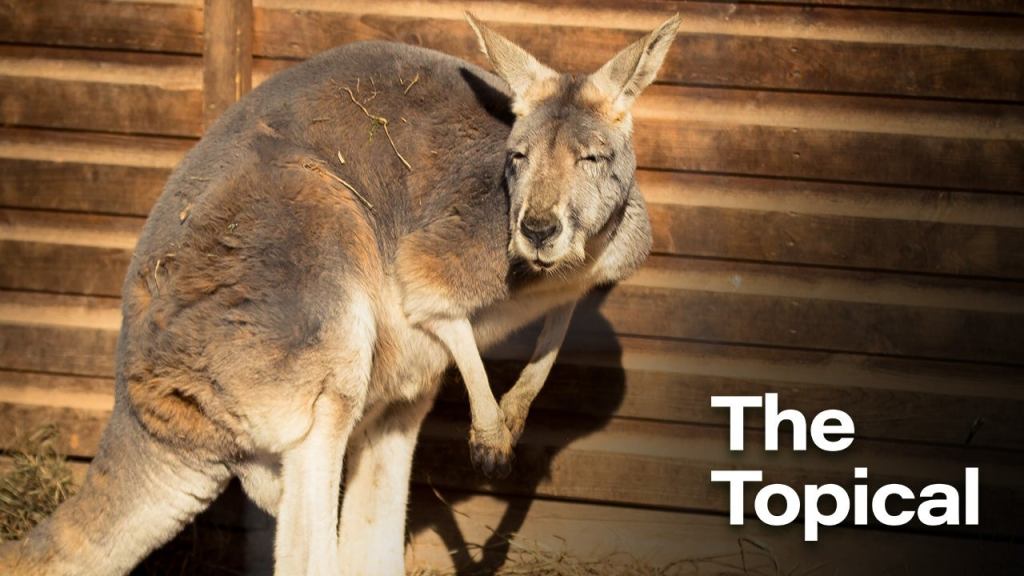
{"x": 570, "y": 163}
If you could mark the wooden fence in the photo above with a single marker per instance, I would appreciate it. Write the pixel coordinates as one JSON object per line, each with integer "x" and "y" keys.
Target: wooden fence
{"x": 837, "y": 191}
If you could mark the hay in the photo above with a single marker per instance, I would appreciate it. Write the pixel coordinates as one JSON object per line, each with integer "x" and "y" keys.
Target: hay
{"x": 410, "y": 85}
{"x": 528, "y": 558}
{"x": 378, "y": 120}
{"x": 39, "y": 479}
{"x": 313, "y": 166}
{"x": 36, "y": 482}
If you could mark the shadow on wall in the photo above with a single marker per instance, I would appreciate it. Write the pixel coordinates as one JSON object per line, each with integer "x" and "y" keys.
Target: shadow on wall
{"x": 235, "y": 537}
{"x": 575, "y": 402}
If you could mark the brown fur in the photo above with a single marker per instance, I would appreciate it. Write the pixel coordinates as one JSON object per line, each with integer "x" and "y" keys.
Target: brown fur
{"x": 270, "y": 309}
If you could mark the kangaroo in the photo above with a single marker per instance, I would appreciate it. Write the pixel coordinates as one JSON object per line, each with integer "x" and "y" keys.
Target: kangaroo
{"x": 336, "y": 241}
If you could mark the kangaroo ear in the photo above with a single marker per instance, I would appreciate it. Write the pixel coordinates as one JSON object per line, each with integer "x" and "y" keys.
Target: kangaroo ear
{"x": 627, "y": 74}
{"x": 516, "y": 66}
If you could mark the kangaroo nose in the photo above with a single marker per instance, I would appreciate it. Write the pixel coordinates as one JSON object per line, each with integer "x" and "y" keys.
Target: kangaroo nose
{"x": 539, "y": 230}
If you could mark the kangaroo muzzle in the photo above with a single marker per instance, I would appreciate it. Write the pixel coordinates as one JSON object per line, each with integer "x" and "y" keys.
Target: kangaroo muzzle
{"x": 542, "y": 239}
{"x": 540, "y": 230}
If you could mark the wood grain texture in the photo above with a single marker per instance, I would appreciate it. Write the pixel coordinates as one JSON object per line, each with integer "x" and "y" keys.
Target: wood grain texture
{"x": 694, "y": 214}
{"x": 758, "y": 45}
{"x": 84, "y": 172}
{"x": 227, "y": 55}
{"x": 843, "y": 312}
{"x": 958, "y": 6}
{"x": 600, "y": 374}
{"x": 838, "y": 225}
{"x": 440, "y": 527}
{"x": 807, "y": 136}
{"x": 136, "y": 25}
{"x": 621, "y": 461}
{"x": 868, "y": 158}
{"x": 100, "y": 91}
{"x": 678, "y": 298}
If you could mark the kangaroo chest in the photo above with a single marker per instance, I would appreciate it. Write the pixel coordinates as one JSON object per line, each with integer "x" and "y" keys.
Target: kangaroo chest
{"x": 409, "y": 363}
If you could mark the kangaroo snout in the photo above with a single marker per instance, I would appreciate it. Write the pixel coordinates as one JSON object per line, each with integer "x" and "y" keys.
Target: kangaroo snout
{"x": 542, "y": 239}
{"x": 539, "y": 230}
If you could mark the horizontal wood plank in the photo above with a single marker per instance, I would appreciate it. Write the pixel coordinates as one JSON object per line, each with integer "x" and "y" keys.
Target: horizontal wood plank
{"x": 720, "y": 131}
{"x": 153, "y": 26}
{"x": 108, "y": 92}
{"x": 752, "y": 46}
{"x": 455, "y": 529}
{"x": 737, "y": 302}
{"x": 749, "y": 45}
{"x": 705, "y": 215}
{"x": 176, "y": 26}
{"x": 85, "y": 172}
{"x": 906, "y": 160}
{"x": 626, "y": 462}
{"x": 747, "y": 18}
{"x": 757, "y": 219}
{"x": 807, "y": 313}
{"x": 442, "y": 523}
{"x": 63, "y": 334}
{"x": 600, "y": 374}
{"x": 80, "y": 186}
{"x": 958, "y": 6}
{"x": 41, "y": 266}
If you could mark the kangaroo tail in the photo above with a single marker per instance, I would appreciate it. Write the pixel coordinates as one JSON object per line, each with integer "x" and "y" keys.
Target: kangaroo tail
{"x": 137, "y": 495}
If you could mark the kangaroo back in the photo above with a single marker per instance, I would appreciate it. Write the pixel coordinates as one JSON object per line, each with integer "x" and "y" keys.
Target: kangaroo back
{"x": 270, "y": 243}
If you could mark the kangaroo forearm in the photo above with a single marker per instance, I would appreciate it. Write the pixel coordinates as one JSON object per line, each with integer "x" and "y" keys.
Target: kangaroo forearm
{"x": 535, "y": 374}
{"x": 490, "y": 442}
{"x": 457, "y": 336}
{"x": 515, "y": 404}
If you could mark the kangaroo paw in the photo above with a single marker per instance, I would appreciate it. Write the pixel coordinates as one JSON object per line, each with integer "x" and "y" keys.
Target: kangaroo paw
{"x": 490, "y": 450}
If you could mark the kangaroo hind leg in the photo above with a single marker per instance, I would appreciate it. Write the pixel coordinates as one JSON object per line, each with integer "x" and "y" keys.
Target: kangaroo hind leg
{"x": 260, "y": 476}
{"x": 307, "y": 512}
{"x": 307, "y": 518}
{"x": 372, "y": 534}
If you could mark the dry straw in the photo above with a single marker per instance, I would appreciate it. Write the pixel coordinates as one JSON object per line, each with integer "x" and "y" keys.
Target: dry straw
{"x": 33, "y": 482}
{"x": 36, "y": 479}
{"x": 531, "y": 557}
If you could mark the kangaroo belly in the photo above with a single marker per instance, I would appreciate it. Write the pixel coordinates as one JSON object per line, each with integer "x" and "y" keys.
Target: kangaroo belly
{"x": 408, "y": 362}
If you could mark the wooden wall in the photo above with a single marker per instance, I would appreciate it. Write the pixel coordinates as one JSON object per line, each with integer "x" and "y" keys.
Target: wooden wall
{"x": 837, "y": 188}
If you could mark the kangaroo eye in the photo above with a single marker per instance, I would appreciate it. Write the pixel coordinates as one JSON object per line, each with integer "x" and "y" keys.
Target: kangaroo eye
{"x": 594, "y": 158}
{"x": 516, "y": 155}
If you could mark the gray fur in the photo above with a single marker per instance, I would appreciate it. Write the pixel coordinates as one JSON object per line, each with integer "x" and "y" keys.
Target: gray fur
{"x": 285, "y": 281}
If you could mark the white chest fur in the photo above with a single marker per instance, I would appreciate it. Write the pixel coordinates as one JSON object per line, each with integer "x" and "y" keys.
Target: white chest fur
{"x": 497, "y": 321}
{"x": 409, "y": 362}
